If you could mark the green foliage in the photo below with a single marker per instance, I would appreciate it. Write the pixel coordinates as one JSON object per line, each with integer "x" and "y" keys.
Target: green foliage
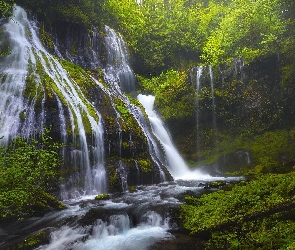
{"x": 159, "y": 33}
{"x": 256, "y": 213}
{"x": 28, "y": 171}
{"x": 5, "y": 8}
{"x": 174, "y": 96}
{"x": 268, "y": 233}
{"x": 146, "y": 165}
{"x": 33, "y": 241}
{"x": 246, "y": 29}
{"x": 273, "y": 149}
{"x": 83, "y": 12}
{"x": 165, "y": 34}
{"x": 102, "y": 197}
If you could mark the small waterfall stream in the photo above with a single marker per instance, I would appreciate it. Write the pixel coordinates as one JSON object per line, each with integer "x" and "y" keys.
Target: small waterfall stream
{"x": 203, "y": 77}
{"x": 176, "y": 164}
{"x": 196, "y": 77}
{"x": 118, "y": 69}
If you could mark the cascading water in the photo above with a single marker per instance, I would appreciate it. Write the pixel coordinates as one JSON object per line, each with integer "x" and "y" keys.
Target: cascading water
{"x": 202, "y": 77}
{"x": 238, "y": 65}
{"x": 176, "y": 164}
{"x": 213, "y": 99}
{"x": 13, "y": 70}
{"x": 120, "y": 77}
{"x": 136, "y": 112}
{"x": 196, "y": 76}
{"x": 29, "y": 65}
{"x": 117, "y": 62}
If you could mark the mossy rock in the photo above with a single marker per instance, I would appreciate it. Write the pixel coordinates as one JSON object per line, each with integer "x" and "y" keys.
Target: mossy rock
{"x": 33, "y": 241}
{"x": 132, "y": 189}
{"x": 217, "y": 184}
{"x": 102, "y": 197}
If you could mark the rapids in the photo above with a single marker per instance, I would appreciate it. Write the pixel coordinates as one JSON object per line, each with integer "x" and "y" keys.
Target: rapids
{"x": 130, "y": 220}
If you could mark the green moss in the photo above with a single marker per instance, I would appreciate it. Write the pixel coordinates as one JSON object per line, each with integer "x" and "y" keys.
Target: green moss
{"x": 98, "y": 74}
{"x": 146, "y": 165}
{"x": 74, "y": 48}
{"x": 46, "y": 39}
{"x": 132, "y": 189}
{"x": 125, "y": 145}
{"x": 84, "y": 83}
{"x": 86, "y": 123}
{"x": 33, "y": 241}
{"x": 30, "y": 90}
{"x": 22, "y": 115}
{"x": 113, "y": 178}
{"x": 129, "y": 122}
{"x": 217, "y": 184}
{"x": 102, "y": 197}
{"x": 3, "y": 77}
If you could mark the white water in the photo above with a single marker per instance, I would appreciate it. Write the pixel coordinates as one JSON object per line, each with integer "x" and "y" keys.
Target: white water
{"x": 132, "y": 221}
{"x": 154, "y": 150}
{"x": 118, "y": 234}
{"x": 13, "y": 69}
{"x": 176, "y": 165}
{"x": 119, "y": 76}
{"x": 117, "y": 60}
{"x": 28, "y": 53}
{"x": 213, "y": 100}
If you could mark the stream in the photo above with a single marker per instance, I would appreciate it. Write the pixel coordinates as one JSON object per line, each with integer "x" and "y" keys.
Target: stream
{"x": 142, "y": 219}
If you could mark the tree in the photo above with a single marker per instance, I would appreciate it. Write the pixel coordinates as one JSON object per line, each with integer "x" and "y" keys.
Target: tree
{"x": 247, "y": 29}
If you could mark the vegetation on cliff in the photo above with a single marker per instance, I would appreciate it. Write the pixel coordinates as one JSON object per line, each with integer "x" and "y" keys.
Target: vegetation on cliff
{"x": 174, "y": 95}
{"x": 5, "y": 8}
{"x": 29, "y": 176}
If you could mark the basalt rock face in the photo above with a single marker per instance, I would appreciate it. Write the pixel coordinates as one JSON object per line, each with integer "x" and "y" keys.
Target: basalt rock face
{"x": 233, "y": 99}
{"x": 79, "y": 45}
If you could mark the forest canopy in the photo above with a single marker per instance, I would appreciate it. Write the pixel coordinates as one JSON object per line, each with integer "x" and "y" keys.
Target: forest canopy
{"x": 166, "y": 34}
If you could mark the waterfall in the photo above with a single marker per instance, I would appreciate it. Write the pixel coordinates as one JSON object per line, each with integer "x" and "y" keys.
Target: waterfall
{"x": 13, "y": 72}
{"x": 117, "y": 61}
{"x": 136, "y": 112}
{"x": 238, "y": 65}
{"x": 176, "y": 164}
{"x": 196, "y": 76}
{"x": 213, "y": 100}
{"x": 30, "y": 71}
{"x": 40, "y": 90}
{"x": 119, "y": 76}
